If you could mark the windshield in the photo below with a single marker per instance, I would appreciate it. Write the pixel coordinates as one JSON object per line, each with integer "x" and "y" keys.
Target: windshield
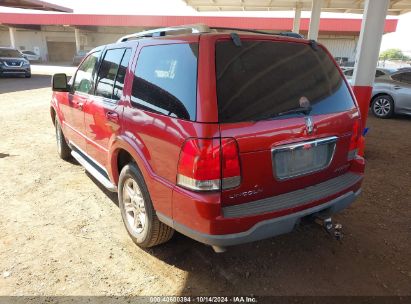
{"x": 10, "y": 53}
{"x": 261, "y": 79}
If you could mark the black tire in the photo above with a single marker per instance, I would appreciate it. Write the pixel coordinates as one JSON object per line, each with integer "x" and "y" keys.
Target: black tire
{"x": 63, "y": 149}
{"x": 152, "y": 232}
{"x": 382, "y": 106}
{"x": 28, "y": 75}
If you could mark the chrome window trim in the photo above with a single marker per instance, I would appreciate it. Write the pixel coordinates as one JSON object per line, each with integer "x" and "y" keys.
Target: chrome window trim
{"x": 298, "y": 146}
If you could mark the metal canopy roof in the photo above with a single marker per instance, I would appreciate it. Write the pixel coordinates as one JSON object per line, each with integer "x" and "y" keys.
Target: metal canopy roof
{"x": 396, "y": 7}
{"x": 327, "y": 25}
{"x": 36, "y": 5}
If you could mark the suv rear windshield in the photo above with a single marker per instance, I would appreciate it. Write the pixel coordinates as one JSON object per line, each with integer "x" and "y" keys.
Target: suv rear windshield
{"x": 10, "y": 53}
{"x": 261, "y": 79}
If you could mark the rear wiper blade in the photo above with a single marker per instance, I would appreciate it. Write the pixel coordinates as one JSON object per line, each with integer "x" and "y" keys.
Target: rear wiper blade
{"x": 303, "y": 110}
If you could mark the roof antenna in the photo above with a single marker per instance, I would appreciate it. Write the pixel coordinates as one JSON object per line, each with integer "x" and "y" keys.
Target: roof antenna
{"x": 236, "y": 39}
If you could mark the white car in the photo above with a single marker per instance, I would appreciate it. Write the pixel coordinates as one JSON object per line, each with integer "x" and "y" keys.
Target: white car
{"x": 31, "y": 56}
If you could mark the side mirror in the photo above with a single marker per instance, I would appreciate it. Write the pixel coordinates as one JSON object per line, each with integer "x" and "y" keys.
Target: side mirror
{"x": 59, "y": 83}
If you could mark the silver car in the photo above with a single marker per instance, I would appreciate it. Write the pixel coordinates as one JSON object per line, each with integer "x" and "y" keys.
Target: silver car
{"x": 13, "y": 63}
{"x": 31, "y": 56}
{"x": 391, "y": 94}
{"x": 348, "y": 72}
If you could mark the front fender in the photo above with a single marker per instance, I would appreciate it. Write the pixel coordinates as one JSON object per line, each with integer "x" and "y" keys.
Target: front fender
{"x": 55, "y": 106}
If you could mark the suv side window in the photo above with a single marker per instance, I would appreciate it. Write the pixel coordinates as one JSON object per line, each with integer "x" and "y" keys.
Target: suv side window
{"x": 108, "y": 72}
{"x": 121, "y": 74}
{"x": 83, "y": 81}
{"x": 165, "y": 80}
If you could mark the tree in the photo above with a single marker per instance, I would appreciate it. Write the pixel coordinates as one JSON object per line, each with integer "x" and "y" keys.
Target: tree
{"x": 393, "y": 54}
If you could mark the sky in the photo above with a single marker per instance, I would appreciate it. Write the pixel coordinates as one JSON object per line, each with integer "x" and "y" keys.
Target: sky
{"x": 399, "y": 39}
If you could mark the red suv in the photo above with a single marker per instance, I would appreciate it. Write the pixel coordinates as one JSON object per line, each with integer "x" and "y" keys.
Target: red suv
{"x": 225, "y": 136}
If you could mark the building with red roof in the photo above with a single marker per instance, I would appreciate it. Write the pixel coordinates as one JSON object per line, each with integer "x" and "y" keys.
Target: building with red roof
{"x": 57, "y": 37}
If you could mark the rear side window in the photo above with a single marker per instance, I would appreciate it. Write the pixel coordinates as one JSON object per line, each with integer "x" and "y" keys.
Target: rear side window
{"x": 402, "y": 77}
{"x": 165, "y": 80}
{"x": 108, "y": 72}
{"x": 83, "y": 81}
{"x": 261, "y": 79}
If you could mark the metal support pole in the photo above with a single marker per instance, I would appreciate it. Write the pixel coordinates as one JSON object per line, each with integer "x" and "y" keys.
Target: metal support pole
{"x": 12, "y": 32}
{"x": 315, "y": 19}
{"x": 297, "y": 19}
{"x": 366, "y": 59}
{"x": 77, "y": 37}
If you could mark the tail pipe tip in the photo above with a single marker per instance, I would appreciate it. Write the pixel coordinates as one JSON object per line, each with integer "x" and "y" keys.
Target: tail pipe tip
{"x": 219, "y": 249}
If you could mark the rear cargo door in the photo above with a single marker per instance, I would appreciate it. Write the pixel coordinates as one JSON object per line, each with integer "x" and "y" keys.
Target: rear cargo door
{"x": 290, "y": 111}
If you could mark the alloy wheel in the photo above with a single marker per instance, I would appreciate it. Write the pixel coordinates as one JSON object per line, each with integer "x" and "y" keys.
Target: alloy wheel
{"x": 134, "y": 207}
{"x": 382, "y": 107}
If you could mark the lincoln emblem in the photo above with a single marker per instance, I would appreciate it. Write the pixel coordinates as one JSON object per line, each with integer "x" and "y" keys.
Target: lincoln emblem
{"x": 309, "y": 124}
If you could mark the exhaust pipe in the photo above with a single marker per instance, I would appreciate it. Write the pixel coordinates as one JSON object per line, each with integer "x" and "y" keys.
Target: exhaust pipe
{"x": 219, "y": 249}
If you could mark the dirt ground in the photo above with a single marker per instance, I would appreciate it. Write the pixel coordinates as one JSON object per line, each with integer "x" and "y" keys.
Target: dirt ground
{"x": 61, "y": 234}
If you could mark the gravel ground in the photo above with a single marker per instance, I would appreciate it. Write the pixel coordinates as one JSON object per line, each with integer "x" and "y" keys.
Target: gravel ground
{"x": 62, "y": 234}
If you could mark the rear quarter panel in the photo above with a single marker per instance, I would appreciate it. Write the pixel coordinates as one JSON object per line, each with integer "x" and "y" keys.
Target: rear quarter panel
{"x": 383, "y": 86}
{"x": 155, "y": 140}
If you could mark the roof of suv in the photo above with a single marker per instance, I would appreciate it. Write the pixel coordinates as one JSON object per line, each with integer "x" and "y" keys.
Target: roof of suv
{"x": 233, "y": 33}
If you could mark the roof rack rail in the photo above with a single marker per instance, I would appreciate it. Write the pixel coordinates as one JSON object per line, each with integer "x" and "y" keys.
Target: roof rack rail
{"x": 196, "y": 29}
{"x": 172, "y": 30}
{"x": 288, "y": 34}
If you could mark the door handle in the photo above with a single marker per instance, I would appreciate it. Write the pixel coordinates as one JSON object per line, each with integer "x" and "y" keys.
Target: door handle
{"x": 112, "y": 116}
{"x": 397, "y": 87}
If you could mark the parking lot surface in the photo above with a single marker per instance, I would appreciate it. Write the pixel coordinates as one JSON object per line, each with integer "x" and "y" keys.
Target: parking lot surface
{"x": 62, "y": 234}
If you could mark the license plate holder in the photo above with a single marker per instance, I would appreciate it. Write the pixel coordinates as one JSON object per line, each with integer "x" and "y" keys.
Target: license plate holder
{"x": 298, "y": 159}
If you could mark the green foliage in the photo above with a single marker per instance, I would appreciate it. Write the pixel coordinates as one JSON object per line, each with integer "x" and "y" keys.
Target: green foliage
{"x": 393, "y": 54}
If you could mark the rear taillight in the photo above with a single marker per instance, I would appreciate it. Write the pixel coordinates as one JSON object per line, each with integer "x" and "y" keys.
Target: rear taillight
{"x": 209, "y": 164}
{"x": 354, "y": 141}
{"x": 230, "y": 164}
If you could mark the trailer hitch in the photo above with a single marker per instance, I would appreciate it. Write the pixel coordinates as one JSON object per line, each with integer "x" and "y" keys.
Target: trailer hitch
{"x": 334, "y": 230}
